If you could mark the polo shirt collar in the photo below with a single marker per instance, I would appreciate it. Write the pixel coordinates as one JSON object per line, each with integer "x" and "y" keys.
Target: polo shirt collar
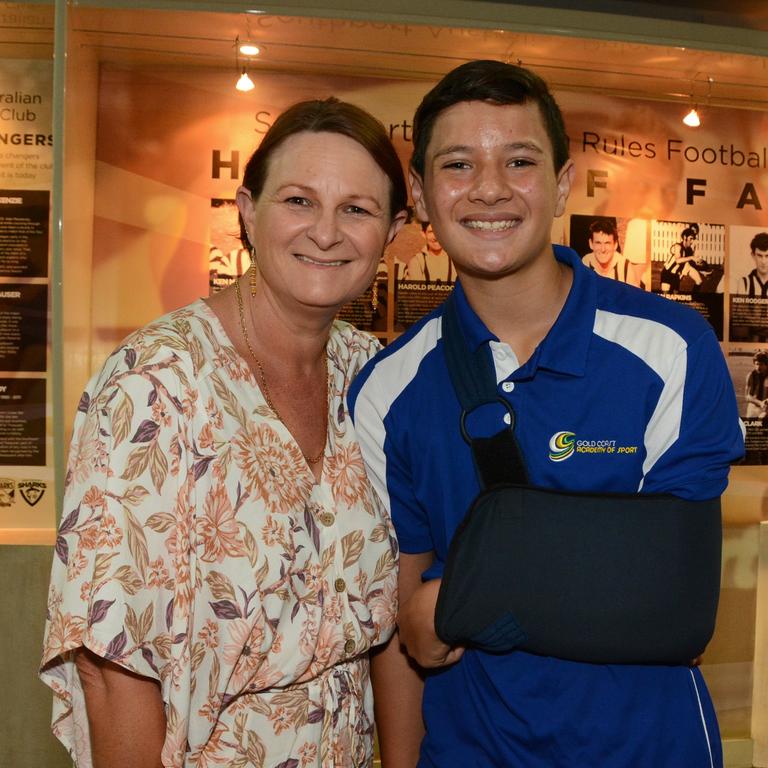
{"x": 564, "y": 349}
{"x": 474, "y": 328}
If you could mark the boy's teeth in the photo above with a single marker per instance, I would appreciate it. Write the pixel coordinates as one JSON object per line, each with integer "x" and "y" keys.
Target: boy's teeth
{"x": 490, "y": 225}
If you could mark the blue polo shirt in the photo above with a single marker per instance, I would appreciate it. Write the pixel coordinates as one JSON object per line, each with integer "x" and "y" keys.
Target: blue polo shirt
{"x": 628, "y": 392}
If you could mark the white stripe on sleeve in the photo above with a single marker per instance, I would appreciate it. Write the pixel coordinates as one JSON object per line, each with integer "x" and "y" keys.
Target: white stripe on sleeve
{"x": 390, "y": 377}
{"x": 665, "y": 352}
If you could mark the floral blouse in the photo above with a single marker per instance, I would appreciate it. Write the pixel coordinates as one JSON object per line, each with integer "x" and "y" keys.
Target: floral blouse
{"x": 197, "y": 549}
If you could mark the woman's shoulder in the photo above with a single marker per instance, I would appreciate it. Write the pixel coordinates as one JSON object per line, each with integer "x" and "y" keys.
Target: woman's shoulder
{"x": 180, "y": 330}
{"x": 350, "y": 348}
{"x": 181, "y": 343}
{"x": 345, "y": 335}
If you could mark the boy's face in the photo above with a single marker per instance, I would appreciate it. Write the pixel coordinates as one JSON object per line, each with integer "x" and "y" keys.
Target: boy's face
{"x": 489, "y": 188}
{"x": 761, "y": 262}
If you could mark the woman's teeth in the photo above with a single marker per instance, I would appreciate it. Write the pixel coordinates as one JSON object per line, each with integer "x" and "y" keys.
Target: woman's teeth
{"x": 307, "y": 260}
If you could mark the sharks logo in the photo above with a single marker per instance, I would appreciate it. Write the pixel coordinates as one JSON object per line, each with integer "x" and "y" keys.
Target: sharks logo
{"x": 31, "y": 491}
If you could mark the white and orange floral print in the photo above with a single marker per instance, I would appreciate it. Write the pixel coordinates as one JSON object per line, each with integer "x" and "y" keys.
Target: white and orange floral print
{"x": 197, "y": 549}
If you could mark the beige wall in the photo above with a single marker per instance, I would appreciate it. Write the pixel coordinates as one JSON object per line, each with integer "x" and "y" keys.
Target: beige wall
{"x": 25, "y": 704}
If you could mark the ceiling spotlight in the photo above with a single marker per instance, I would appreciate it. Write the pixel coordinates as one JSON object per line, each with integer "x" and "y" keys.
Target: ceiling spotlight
{"x": 249, "y": 49}
{"x": 245, "y": 83}
{"x": 692, "y": 119}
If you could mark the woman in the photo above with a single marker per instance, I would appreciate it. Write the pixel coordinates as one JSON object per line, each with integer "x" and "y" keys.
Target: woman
{"x": 222, "y": 566}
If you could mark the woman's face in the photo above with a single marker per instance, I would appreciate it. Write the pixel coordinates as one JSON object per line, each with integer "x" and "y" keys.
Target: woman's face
{"x": 321, "y": 222}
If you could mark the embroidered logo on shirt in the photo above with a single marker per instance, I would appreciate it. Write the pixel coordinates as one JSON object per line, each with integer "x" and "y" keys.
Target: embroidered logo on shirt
{"x": 561, "y": 445}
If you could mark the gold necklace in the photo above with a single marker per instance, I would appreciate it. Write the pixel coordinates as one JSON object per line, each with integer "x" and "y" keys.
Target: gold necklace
{"x": 263, "y": 379}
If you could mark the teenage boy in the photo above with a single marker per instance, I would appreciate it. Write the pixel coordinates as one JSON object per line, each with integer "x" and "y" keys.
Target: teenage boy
{"x": 572, "y": 352}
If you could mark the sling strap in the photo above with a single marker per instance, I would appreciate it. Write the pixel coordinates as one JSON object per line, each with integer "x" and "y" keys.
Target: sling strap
{"x": 498, "y": 458}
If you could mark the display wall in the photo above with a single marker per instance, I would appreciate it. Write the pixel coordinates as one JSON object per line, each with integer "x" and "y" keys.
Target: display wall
{"x": 175, "y": 146}
{"x": 27, "y": 499}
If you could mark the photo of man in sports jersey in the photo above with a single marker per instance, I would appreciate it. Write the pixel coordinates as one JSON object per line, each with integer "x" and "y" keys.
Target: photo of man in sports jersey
{"x": 749, "y": 374}
{"x": 756, "y": 388}
{"x": 755, "y": 282}
{"x": 748, "y": 269}
{"x": 227, "y": 259}
{"x": 680, "y": 263}
{"x": 607, "y": 390}
{"x": 609, "y": 252}
{"x": 605, "y": 258}
{"x": 689, "y": 257}
{"x": 430, "y": 264}
{"x": 423, "y": 279}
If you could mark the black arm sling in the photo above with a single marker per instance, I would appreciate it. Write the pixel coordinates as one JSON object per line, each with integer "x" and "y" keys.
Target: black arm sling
{"x": 603, "y": 578}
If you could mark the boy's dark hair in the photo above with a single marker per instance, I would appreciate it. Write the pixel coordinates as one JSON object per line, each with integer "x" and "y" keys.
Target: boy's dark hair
{"x": 759, "y": 242}
{"x": 494, "y": 82}
{"x": 690, "y": 232}
{"x": 761, "y": 357}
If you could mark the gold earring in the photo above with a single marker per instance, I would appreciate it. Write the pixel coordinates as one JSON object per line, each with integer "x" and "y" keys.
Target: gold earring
{"x": 252, "y": 276}
{"x": 375, "y": 293}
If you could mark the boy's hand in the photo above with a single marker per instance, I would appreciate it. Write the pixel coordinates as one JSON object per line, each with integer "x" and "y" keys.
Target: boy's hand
{"x": 416, "y": 623}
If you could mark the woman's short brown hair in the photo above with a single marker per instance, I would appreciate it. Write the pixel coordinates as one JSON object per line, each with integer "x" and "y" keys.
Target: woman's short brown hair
{"x": 328, "y": 116}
